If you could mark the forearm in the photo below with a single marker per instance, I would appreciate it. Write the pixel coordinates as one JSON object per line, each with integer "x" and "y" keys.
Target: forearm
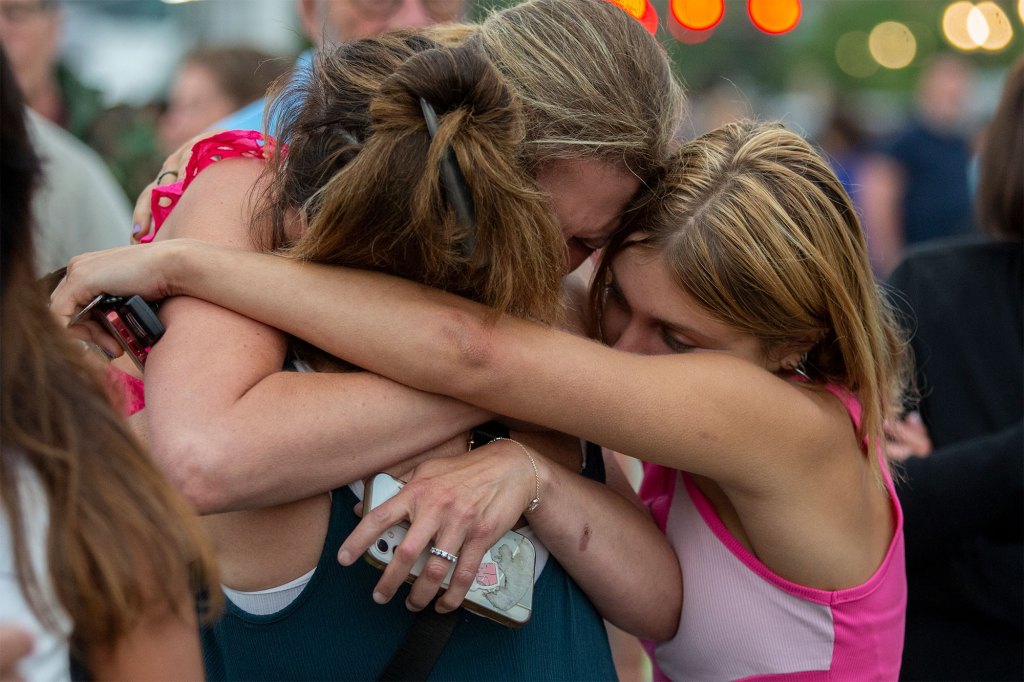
{"x": 442, "y": 343}
{"x": 294, "y": 435}
{"x": 596, "y": 532}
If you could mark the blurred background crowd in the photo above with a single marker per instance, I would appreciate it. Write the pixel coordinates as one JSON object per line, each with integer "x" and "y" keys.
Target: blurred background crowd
{"x": 899, "y": 93}
{"x": 896, "y": 92}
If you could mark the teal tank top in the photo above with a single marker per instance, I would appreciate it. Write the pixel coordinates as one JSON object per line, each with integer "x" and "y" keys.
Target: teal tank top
{"x": 335, "y": 631}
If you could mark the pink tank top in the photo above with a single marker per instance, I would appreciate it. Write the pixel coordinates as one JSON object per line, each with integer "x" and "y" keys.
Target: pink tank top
{"x": 741, "y": 621}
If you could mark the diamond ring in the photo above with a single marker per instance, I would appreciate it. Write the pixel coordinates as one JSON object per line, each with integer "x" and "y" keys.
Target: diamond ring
{"x": 437, "y": 551}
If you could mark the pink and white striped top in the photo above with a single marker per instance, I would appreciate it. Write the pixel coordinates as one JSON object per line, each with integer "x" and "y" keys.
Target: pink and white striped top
{"x": 741, "y": 621}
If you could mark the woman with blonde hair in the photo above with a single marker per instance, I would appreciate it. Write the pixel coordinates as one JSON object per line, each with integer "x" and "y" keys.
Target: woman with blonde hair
{"x": 754, "y": 362}
{"x": 538, "y": 112}
{"x": 99, "y": 555}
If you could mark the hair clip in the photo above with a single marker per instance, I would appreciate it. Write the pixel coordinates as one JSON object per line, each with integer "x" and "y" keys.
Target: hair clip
{"x": 454, "y": 183}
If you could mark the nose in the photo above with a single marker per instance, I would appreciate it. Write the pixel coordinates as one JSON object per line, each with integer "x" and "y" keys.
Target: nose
{"x": 632, "y": 337}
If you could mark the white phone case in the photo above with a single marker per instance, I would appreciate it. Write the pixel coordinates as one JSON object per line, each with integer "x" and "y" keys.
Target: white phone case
{"x": 503, "y": 589}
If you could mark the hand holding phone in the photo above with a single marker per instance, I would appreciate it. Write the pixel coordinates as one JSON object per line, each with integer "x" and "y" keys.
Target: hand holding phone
{"x": 502, "y": 589}
{"x": 130, "y": 320}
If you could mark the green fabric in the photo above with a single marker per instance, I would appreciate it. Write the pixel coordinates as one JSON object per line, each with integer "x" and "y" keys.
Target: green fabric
{"x": 334, "y": 630}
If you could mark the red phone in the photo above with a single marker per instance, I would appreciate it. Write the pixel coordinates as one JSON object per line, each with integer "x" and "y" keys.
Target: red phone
{"x": 130, "y": 320}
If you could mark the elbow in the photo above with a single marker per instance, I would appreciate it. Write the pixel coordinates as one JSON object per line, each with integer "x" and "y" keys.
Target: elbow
{"x": 471, "y": 342}
{"x": 197, "y": 466}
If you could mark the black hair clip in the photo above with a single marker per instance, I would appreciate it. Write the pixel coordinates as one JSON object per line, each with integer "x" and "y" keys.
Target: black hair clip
{"x": 454, "y": 183}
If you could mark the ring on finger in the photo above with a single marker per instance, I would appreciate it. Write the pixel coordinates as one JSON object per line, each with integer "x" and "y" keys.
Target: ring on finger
{"x": 159, "y": 178}
{"x": 437, "y": 551}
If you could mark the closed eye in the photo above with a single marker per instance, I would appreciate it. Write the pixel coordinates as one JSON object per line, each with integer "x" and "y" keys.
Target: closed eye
{"x": 674, "y": 343}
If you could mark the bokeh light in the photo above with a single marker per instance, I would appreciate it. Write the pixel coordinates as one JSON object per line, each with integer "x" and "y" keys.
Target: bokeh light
{"x": 697, "y": 15}
{"x": 852, "y": 55}
{"x": 774, "y": 16}
{"x": 641, "y": 10}
{"x": 954, "y": 26}
{"x": 686, "y": 36}
{"x": 1000, "y": 33}
{"x": 1020, "y": 10}
{"x": 977, "y": 26}
{"x": 892, "y": 44}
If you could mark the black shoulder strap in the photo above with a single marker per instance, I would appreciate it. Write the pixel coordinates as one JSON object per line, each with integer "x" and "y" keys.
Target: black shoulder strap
{"x": 422, "y": 646}
{"x": 418, "y": 653}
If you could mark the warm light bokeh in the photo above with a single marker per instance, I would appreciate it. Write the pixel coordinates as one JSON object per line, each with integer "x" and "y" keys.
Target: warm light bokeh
{"x": 892, "y": 44}
{"x": 1000, "y": 32}
{"x": 954, "y": 26}
{"x": 774, "y": 16}
{"x": 641, "y": 10}
{"x": 697, "y": 15}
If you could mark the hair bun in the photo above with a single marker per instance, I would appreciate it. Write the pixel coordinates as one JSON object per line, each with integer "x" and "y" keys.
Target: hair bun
{"x": 449, "y": 79}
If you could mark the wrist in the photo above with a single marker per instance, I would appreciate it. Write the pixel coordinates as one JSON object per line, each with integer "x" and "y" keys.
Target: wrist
{"x": 533, "y": 498}
{"x": 183, "y": 267}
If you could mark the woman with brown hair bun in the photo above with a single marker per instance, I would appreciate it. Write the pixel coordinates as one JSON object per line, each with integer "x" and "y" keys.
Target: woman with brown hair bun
{"x": 557, "y": 112}
{"x": 98, "y": 553}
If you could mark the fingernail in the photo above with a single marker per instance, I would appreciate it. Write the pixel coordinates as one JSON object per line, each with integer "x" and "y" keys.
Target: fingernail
{"x": 136, "y": 228}
{"x": 441, "y": 609}
{"x": 379, "y": 597}
{"x": 344, "y": 558}
{"x": 408, "y": 605}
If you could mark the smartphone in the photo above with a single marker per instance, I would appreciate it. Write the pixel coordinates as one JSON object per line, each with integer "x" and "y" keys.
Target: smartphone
{"x": 503, "y": 588}
{"x": 131, "y": 320}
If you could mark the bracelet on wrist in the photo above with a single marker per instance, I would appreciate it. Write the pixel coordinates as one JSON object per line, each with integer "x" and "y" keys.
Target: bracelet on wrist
{"x": 535, "y": 502}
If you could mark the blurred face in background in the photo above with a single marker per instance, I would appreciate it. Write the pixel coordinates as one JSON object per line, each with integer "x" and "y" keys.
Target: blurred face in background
{"x": 945, "y": 91}
{"x": 196, "y": 102}
{"x": 30, "y": 34}
{"x": 340, "y": 20}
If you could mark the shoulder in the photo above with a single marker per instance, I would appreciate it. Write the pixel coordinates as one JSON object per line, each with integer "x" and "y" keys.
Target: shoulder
{"x": 218, "y": 204}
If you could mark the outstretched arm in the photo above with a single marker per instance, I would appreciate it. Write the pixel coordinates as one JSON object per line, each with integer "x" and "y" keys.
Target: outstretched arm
{"x": 704, "y": 412}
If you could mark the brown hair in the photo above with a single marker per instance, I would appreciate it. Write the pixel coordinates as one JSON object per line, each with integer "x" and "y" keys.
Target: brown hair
{"x": 756, "y": 227}
{"x": 1000, "y": 201}
{"x": 386, "y": 209}
{"x": 593, "y": 82}
{"x": 589, "y": 80}
{"x": 524, "y": 88}
{"x": 121, "y": 542}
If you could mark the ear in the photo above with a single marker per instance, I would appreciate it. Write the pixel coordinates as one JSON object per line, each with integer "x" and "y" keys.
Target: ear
{"x": 792, "y": 355}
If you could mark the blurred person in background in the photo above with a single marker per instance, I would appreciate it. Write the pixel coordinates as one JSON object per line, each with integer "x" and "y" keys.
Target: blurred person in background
{"x": 211, "y": 83}
{"x": 915, "y": 187}
{"x": 78, "y": 206}
{"x": 323, "y": 22}
{"x": 964, "y": 502}
{"x": 98, "y": 553}
{"x": 125, "y": 136}
{"x": 335, "y": 21}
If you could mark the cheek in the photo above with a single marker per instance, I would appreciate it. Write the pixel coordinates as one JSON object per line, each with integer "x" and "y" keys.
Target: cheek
{"x": 613, "y": 322}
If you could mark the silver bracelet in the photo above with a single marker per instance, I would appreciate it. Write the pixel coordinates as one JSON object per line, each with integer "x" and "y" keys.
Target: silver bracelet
{"x": 535, "y": 502}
